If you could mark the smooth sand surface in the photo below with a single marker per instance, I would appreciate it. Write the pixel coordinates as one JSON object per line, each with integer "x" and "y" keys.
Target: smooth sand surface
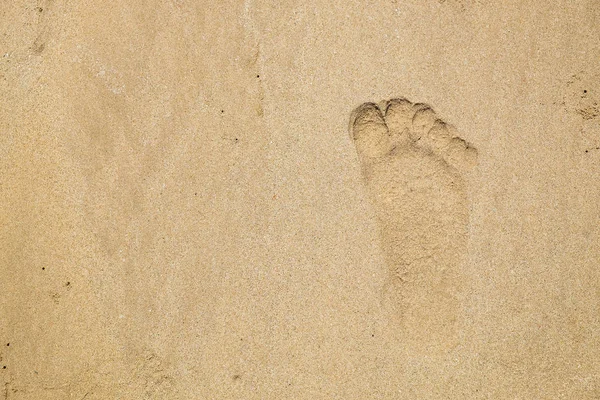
{"x": 185, "y": 213}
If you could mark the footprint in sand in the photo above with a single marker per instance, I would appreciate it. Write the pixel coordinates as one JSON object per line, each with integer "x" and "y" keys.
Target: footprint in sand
{"x": 412, "y": 164}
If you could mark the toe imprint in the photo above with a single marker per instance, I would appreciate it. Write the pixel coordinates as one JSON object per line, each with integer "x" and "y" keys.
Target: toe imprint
{"x": 412, "y": 163}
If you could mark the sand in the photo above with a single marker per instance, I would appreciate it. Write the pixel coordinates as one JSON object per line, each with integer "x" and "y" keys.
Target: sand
{"x": 215, "y": 200}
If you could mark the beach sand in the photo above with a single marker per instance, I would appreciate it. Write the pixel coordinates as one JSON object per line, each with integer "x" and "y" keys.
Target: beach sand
{"x": 299, "y": 200}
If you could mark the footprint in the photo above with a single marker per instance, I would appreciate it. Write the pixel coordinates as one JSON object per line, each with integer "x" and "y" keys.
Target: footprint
{"x": 412, "y": 164}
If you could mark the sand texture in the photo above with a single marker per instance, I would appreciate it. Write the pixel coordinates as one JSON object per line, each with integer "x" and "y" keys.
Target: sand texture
{"x": 299, "y": 199}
